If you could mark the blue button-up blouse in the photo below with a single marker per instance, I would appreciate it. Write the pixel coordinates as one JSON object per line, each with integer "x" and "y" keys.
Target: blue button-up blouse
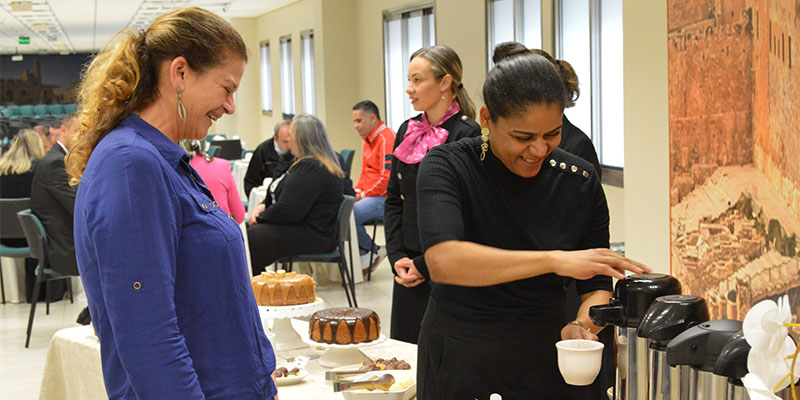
{"x": 166, "y": 276}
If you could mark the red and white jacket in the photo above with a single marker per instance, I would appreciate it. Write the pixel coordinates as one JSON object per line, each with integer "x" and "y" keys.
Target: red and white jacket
{"x": 376, "y": 163}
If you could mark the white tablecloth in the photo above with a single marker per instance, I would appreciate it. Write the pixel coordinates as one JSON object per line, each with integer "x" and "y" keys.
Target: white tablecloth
{"x": 239, "y": 170}
{"x": 73, "y": 369}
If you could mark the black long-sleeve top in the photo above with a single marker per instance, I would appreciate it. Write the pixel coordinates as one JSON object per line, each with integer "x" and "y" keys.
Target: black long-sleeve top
{"x": 15, "y": 186}
{"x": 261, "y": 166}
{"x": 309, "y": 196}
{"x": 400, "y": 207}
{"x": 575, "y": 141}
{"x": 464, "y": 199}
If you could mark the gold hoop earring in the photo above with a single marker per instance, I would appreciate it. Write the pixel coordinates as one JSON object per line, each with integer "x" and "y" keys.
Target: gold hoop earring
{"x": 485, "y": 140}
{"x": 181, "y": 107}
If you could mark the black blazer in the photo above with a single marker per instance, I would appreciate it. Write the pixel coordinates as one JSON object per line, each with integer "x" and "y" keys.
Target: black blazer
{"x": 400, "y": 208}
{"x": 53, "y": 201}
{"x": 15, "y": 186}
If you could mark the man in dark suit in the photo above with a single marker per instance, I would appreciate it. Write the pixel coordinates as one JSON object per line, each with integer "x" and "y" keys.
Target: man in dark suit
{"x": 53, "y": 201}
{"x": 266, "y": 157}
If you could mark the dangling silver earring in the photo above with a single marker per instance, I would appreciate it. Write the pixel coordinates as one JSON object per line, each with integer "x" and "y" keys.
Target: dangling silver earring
{"x": 181, "y": 107}
{"x": 485, "y": 140}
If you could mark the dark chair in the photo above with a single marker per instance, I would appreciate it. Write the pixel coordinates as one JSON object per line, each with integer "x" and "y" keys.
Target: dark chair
{"x": 11, "y": 229}
{"x": 347, "y": 155}
{"x": 213, "y": 150}
{"x": 374, "y": 222}
{"x": 337, "y": 255}
{"x": 37, "y": 242}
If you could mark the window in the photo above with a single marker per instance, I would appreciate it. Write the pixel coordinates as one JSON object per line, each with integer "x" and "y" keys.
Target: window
{"x": 287, "y": 75}
{"x": 307, "y": 63}
{"x": 589, "y": 36}
{"x": 266, "y": 78}
{"x": 514, "y": 20}
{"x": 404, "y": 32}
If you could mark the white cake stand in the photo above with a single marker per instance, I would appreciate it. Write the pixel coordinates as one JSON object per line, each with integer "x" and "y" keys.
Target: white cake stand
{"x": 337, "y": 355}
{"x": 282, "y": 335}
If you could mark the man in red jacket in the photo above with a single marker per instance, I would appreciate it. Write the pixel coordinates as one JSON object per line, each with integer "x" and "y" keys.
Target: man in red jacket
{"x": 376, "y": 166}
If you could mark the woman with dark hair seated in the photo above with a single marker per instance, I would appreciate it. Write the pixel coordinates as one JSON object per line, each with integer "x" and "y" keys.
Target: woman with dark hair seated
{"x": 300, "y": 216}
{"x": 509, "y": 218}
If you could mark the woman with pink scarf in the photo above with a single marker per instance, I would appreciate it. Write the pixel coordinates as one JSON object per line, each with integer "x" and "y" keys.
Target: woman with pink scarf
{"x": 435, "y": 89}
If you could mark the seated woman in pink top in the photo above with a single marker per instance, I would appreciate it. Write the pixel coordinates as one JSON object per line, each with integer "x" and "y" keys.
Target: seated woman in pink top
{"x": 216, "y": 173}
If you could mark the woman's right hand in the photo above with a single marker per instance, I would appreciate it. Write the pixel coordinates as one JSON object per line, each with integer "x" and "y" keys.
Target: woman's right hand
{"x": 585, "y": 264}
{"x": 255, "y": 213}
{"x": 407, "y": 273}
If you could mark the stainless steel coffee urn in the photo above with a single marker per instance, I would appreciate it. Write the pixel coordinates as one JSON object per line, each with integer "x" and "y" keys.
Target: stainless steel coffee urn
{"x": 732, "y": 364}
{"x": 699, "y": 347}
{"x": 632, "y": 298}
{"x": 666, "y": 318}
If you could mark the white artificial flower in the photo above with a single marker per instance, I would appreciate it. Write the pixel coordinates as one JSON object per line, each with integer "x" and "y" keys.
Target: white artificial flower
{"x": 756, "y": 388}
{"x": 764, "y": 327}
{"x": 770, "y": 343}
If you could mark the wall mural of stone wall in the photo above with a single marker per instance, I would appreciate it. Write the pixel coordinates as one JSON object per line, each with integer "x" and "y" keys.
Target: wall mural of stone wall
{"x": 734, "y": 123}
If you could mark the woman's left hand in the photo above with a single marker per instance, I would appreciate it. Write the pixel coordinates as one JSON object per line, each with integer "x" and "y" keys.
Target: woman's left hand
{"x": 577, "y": 332}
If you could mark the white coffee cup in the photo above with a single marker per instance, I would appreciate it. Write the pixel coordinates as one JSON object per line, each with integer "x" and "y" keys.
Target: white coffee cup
{"x": 579, "y": 360}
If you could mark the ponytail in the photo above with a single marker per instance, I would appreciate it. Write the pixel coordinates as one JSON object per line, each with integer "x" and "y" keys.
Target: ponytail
{"x": 104, "y": 98}
{"x": 464, "y": 102}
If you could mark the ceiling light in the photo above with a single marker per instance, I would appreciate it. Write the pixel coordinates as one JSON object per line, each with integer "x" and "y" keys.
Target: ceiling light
{"x": 21, "y": 6}
{"x": 41, "y": 27}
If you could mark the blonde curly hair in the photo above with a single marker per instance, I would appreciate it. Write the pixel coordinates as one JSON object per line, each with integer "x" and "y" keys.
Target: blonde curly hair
{"x": 123, "y": 78}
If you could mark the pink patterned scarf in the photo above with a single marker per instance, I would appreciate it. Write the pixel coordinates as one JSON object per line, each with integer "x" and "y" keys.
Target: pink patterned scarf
{"x": 421, "y": 136}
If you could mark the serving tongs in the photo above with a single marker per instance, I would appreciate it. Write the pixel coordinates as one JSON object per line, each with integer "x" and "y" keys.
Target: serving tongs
{"x": 383, "y": 383}
{"x": 334, "y": 375}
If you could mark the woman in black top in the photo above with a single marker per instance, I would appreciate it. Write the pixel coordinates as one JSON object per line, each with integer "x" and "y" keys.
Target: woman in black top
{"x": 510, "y": 217}
{"x": 302, "y": 219}
{"x": 435, "y": 88}
{"x": 16, "y": 177}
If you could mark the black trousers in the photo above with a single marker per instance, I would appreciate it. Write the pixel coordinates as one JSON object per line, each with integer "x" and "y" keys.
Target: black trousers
{"x": 269, "y": 243}
{"x": 465, "y": 360}
{"x": 408, "y": 307}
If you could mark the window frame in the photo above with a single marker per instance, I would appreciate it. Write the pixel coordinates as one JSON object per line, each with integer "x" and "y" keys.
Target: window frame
{"x": 404, "y": 14}
{"x": 267, "y": 78}
{"x": 612, "y": 175}
{"x": 287, "y": 82}
{"x": 519, "y": 28}
{"x": 309, "y": 86}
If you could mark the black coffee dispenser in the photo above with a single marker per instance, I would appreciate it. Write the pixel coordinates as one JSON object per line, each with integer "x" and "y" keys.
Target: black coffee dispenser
{"x": 668, "y": 317}
{"x": 699, "y": 348}
{"x": 632, "y": 298}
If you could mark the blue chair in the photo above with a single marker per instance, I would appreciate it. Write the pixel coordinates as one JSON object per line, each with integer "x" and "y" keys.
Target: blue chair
{"x": 216, "y": 136}
{"x": 70, "y": 108}
{"x": 26, "y": 111}
{"x": 13, "y": 111}
{"x": 37, "y": 243}
{"x": 347, "y": 155}
{"x": 41, "y": 111}
{"x": 56, "y": 110}
{"x": 213, "y": 150}
{"x": 245, "y": 153}
{"x": 337, "y": 255}
{"x": 11, "y": 229}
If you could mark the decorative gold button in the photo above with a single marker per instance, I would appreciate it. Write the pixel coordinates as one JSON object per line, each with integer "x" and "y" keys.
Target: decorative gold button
{"x": 205, "y": 207}
{"x": 402, "y": 197}
{"x": 585, "y": 174}
{"x": 562, "y": 165}
{"x": 137, "y": 285}
{"x": 399, "y": 176}
{"x": 464, "y": 117}
{"x": 230, "y": 216}
{"x": 574, "y": 168}
{"x": 553, "y": 163}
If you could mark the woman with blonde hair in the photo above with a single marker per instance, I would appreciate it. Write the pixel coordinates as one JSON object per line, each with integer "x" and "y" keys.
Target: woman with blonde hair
{"x": 436, "y": 89}
{"x": 16, "y": 177}
{"x": 164, "y": 267}
{"x": 302, "y": 216}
